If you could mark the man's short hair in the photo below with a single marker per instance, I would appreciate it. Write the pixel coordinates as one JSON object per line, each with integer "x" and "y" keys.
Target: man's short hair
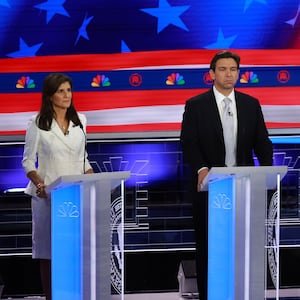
{"x": 224, "y": 54}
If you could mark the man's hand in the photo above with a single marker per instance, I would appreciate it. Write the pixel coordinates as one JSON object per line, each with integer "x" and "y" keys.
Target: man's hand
{"x": 201, "y": 175}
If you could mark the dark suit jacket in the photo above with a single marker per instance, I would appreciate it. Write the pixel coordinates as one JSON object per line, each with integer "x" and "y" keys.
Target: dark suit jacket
{"x": 202, "y": 135}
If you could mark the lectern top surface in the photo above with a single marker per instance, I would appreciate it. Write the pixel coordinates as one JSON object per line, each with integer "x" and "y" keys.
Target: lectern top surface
{"x": 71, "y": 179}
{"x": 268, "y": 172}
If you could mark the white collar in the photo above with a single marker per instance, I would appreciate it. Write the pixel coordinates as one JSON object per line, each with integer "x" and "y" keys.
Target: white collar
{"x": 219, "y": 97}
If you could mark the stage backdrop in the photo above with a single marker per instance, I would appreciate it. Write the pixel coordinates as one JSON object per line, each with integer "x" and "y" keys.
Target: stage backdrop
{"x": 135, "y": 63}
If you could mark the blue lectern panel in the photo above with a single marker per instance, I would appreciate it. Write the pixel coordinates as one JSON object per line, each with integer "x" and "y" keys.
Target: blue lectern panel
{"x": 221, "y": 235}
{"x": 66, "y": 241}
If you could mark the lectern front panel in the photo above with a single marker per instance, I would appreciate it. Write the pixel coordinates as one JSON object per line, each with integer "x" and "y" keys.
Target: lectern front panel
{"x": 221, "y": 239}
{"x": 66, "y": 248}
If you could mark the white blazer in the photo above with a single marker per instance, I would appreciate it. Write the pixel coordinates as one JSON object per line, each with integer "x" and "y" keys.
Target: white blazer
{"x": 53, "y": 154}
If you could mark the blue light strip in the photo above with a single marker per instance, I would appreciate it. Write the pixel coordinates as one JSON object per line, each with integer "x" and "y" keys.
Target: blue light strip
{"x": 221, "y": 239}
{"x": 66, "y": 244}
{"x": 285, "y": 139}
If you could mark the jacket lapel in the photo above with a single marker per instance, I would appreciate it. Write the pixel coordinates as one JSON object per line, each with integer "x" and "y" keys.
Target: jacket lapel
{"x": 60, "y": 136}
{"x": 240, "y": 113}
{"x": 214, "y": 113}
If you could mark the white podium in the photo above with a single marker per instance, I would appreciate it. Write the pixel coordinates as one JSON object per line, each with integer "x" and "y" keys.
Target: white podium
{"x": 237, "y": 209}
{"x": 82, "y": 234}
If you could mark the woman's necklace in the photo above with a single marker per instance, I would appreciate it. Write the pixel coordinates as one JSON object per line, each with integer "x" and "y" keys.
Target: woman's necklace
{"x": 63, "y": 127}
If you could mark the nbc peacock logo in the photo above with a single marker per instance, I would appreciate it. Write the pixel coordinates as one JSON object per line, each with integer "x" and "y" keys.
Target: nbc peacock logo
{"x": 249, "y": 77}
{"x": 175, "y": 79}
{"x": 25, "y": 82}
{"x": 100, "y": 80}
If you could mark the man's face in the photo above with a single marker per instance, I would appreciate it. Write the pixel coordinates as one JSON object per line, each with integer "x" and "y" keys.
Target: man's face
{"x": 225, "y": 75}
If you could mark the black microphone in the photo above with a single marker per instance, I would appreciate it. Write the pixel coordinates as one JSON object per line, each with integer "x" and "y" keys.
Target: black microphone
{"x": 85, "y": 146}
{"x": 85, "y": 141}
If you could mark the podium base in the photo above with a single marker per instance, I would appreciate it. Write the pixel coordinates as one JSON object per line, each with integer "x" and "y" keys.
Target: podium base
{"x": 187, "y": 280}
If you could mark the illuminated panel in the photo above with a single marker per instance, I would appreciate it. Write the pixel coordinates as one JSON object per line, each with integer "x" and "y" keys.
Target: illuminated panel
{"x": 66, "y": 243}
{"x": 221, "y": 241}
{"x": 147, "y": 93}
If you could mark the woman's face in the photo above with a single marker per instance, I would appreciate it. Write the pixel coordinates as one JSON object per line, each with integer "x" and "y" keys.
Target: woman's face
{"x": 62, "y": 98}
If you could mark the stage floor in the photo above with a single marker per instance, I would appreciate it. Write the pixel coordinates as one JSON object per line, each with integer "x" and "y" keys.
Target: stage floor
{"x": 285, "y": 294}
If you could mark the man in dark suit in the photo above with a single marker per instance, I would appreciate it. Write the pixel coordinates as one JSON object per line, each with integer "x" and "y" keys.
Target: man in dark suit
{"x": 203, "y": 135}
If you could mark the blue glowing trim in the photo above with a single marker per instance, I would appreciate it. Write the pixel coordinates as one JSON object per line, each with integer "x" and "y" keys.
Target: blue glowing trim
{"x": 285, "y": 139}
{"x": 15, "y": 190}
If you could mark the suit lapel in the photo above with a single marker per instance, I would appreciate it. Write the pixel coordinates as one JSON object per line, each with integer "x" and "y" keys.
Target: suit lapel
{"x": 214, "y": 113}
{"x": 240, "y": 116}
{"x": 60, "y": 136}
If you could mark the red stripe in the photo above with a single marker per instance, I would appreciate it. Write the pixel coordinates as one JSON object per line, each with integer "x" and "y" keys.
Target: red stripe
{"x": 124, "y": 99}
{"x": 13, "y": 132}
{"x": 164, "y": 127}
{"x": 119, "y": 128}
{"x": 86, "y": 101}
{"x": 282, "y": 125}
{"x": 84, "y": 62}
{"x": 146, "y": 128}
{"x": 274, "y": 95}
{"x": 24, "y": 102}
{"x": 134, "y": 128}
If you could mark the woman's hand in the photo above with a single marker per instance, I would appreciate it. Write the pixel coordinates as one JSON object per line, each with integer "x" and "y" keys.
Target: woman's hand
{"x": 40, "y": 190}
{"x": 89, "y": 171}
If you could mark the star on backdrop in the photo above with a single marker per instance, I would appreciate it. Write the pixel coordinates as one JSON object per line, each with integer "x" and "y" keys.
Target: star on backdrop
{"x": 25, "y": 50}
{"x": 82, "y": 31}
{"x": 124, "y": 47}
{"x": 167, "y": 15}
{"x": 293, "y": 20}
{"x": 60, "y": 27}
{"x": 53, "y": 7}
{"x": 221, "y": 42}
{"x": 248, "y": 2}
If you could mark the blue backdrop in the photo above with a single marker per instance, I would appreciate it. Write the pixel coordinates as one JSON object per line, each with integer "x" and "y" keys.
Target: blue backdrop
{"x": 59, "y": 27}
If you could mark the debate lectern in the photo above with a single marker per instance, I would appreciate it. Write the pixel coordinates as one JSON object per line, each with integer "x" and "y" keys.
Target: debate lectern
{"x": 237, "y": 206}
{"x": 82, "y": 235}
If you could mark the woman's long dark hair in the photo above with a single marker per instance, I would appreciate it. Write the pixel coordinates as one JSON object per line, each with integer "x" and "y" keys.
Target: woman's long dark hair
{"x": 47, "y": 113}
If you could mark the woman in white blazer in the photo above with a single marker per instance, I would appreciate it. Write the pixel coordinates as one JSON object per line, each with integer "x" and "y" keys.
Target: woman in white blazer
{"x": 54, "y": 146}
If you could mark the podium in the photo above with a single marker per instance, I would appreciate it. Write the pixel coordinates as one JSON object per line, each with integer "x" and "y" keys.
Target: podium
{"x": 82, "y": 235}
{"x": 237, "y": 206}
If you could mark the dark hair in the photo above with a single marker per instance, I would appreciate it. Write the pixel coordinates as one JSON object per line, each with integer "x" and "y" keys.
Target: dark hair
{"x": 224, "y": 54}
{"x": 47, "y": 113}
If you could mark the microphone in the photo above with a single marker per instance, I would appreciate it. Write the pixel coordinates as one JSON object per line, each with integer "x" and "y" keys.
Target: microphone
{"x": 230, "y": 113}
{"x": 85, "y": 146}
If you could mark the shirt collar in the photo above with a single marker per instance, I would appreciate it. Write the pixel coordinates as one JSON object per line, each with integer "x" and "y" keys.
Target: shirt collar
{"x": 219, "y": 97}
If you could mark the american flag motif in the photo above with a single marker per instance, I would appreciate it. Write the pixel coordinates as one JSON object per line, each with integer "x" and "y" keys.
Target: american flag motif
{"x": 135, "y": 63}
